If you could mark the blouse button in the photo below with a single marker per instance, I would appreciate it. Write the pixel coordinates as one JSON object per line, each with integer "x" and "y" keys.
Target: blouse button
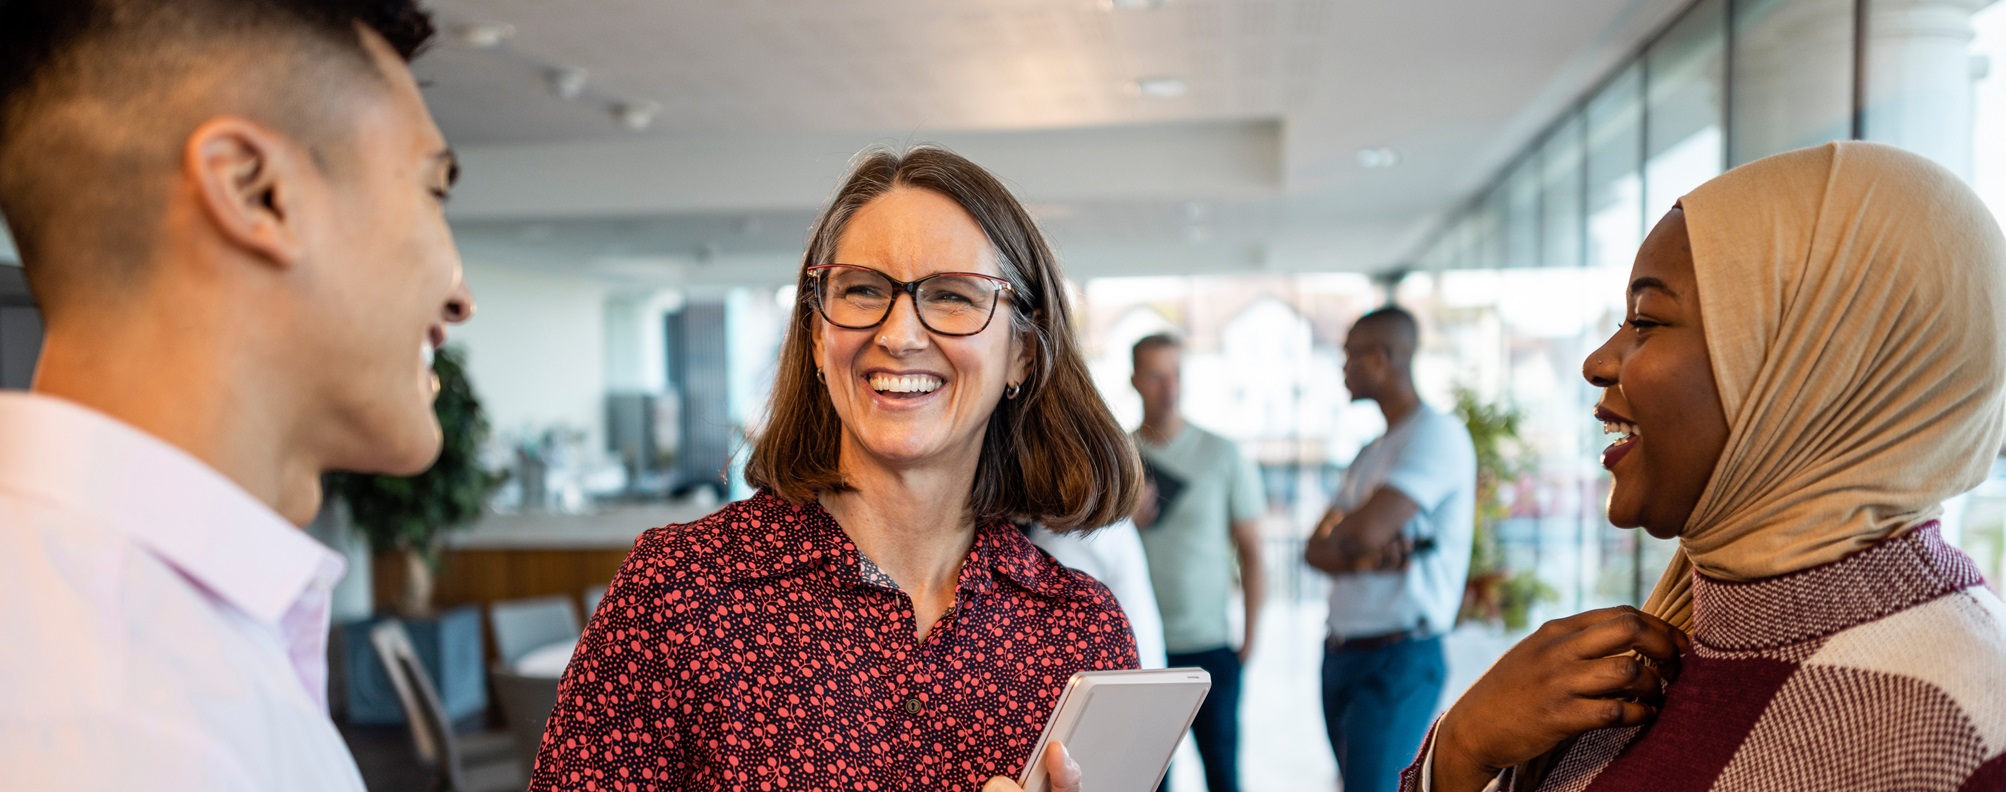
{"x": 912, "y": 706}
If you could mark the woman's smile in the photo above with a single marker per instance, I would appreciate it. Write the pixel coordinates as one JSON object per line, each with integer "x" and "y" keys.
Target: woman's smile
{"x": 904, "y": 390}
{"x": 1615, "y": 424}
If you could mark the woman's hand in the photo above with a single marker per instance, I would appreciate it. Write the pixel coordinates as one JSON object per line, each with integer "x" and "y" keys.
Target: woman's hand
{"x": 1064, "y": 773}
{"x": 1571, "y": 676}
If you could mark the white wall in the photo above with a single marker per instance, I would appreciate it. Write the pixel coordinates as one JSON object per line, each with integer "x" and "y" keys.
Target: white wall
{"x": 636, "y": 357}
{"x": 536, "y": 350}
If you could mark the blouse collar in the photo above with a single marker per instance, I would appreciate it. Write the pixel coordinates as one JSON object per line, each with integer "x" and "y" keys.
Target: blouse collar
{"x": 806, "y": 536}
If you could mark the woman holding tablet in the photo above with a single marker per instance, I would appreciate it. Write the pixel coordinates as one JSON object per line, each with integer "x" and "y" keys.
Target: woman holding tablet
{"x": 870, "y": 619}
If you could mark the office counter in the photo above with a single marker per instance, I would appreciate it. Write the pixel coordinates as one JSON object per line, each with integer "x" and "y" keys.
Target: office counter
{"x": 511, "y": 556}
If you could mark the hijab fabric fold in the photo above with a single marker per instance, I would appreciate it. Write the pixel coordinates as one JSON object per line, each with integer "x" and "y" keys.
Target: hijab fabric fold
{"x": 1852, "y": 295}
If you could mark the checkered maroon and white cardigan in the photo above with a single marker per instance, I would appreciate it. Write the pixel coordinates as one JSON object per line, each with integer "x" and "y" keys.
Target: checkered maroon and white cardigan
{"x": 1885, "y": 670}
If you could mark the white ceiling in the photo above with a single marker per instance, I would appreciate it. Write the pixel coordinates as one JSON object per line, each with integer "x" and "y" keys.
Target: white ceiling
{"x": 764, "y": 102}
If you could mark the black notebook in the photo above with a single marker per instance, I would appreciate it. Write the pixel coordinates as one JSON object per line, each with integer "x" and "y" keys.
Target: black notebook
{"x": 1168, "y": 487}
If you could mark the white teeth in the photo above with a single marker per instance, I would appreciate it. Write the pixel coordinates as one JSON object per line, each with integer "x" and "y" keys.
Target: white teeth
{"x": 908, "y": 383}
{"x": 429, "y": 352}
{"x": 1627, "y": 430}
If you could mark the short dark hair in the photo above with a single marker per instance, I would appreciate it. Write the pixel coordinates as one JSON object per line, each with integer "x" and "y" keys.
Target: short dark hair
{"x": 101, "y": 87}
{"x": 1149, "y": 342}
{"x": 1395, "y": 318}
{"x": 1054, "y": 455}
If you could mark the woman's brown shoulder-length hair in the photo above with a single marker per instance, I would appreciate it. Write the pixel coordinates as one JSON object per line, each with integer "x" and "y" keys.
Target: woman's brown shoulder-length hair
{"x": 1053, "y": 455}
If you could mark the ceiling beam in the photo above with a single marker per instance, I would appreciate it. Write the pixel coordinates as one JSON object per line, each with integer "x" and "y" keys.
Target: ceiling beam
{"x": 1212, "y": 159}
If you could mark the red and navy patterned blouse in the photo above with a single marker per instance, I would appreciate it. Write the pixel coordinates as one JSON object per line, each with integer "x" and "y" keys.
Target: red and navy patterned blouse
{"x": 757, "y": 649}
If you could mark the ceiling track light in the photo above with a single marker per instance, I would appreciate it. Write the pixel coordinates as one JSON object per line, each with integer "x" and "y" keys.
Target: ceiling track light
{"x": 1378, "y": 157}
{"x": 568, "y": 82}
{"x": 484, "y": 35}
{"x": 637, "y": 115}
{"x": 1160, "y": 87}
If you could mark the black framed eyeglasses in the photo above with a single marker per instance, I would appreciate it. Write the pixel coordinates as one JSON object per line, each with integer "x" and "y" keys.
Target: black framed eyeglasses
{"x": 948, "y": 303}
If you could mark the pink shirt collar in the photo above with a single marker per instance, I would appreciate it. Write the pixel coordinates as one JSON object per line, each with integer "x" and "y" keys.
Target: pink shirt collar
{"x": 178, "y": 508}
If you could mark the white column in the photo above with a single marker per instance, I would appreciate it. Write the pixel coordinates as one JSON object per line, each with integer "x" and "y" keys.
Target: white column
{"x": 1919, "y": 77}
{"x": 1793, "y": 76}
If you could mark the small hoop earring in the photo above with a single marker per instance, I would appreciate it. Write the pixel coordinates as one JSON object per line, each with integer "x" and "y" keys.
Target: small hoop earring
{"x": 819, "y": 377}
{"x": 1012, "y": 391}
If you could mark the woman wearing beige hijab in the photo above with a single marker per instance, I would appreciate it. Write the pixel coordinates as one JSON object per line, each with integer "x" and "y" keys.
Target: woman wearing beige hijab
{"x": 1811, "y": 362}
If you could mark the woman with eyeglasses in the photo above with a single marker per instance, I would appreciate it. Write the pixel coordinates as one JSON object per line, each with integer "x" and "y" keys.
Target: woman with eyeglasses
{"x": 870, "y": 619}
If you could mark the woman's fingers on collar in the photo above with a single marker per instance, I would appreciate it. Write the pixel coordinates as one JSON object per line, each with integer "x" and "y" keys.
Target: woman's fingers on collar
{"x": 1626, "y": 630}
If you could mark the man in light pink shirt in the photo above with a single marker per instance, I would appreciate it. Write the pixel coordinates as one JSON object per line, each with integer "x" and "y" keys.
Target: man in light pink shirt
{"x": 230, "y": 214}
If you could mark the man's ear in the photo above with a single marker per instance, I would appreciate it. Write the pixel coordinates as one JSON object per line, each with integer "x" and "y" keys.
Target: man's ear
{"x": 247, "y": 179}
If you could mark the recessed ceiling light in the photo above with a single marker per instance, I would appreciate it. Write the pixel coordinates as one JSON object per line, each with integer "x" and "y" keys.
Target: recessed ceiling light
{"x": 568, "y": 82}
{"x": 484, "y": 35}
{"x": 1162, "y": 87}
{"x": 637, "y": 115}
{"x": 1378, "y": 157}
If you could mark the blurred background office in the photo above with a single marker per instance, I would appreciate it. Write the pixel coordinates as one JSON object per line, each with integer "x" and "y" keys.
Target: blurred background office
{"x": 1251, "y": 175}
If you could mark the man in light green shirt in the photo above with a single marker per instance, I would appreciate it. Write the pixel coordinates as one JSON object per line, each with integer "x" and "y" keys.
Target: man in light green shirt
{"x": 1199, "y": 520}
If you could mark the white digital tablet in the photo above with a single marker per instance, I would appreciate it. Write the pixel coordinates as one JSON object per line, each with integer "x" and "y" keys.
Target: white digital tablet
{"x": 1120, "y": 727}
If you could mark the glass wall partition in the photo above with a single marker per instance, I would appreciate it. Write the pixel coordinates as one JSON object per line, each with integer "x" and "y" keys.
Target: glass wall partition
{"x": 1522, "y": 215}
{"x": 1685, "y": 120}
{"x": 1562, "y": 190}
{"x": 1615, "y": 192}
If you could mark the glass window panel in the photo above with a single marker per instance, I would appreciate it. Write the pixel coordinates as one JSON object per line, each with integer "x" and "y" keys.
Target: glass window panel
{"x": 1436, "y": 254}
{"x": 1988, "y": 122}
{"x": 1561, "y": 237}
{"x": 1793, "y": 76}
{"x": 1615, "y": 171}
{"x": 1521, "y": 214}
{"x": 1469, "y": 241}
{"x": 1683, "y": 81}
{"x": 1487, "y": 234}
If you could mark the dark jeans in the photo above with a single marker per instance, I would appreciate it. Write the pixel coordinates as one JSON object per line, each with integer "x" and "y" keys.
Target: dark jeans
{"x": 1217, "y": 729}
{"x": 1377, "y": 704}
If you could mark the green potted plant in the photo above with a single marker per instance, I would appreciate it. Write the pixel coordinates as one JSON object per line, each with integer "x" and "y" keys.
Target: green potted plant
{"x": 1495, "y": 593}
{"x": 408, "y": 515}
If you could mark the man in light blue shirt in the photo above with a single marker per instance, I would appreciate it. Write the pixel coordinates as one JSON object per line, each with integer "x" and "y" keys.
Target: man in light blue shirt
{"x": 1396, "y": 542}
